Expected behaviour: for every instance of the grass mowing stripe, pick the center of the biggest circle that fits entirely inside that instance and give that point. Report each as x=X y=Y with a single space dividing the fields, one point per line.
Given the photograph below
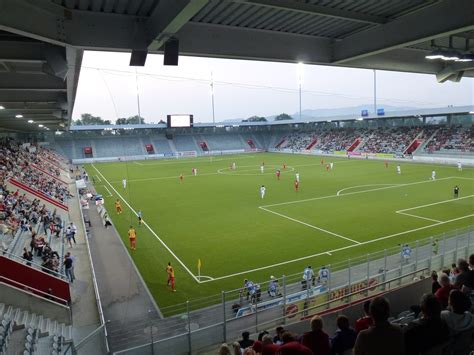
x=146 y=225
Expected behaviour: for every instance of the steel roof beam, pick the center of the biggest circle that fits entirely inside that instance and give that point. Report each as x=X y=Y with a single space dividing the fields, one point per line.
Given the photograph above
x=442 y=19
x=314 y=9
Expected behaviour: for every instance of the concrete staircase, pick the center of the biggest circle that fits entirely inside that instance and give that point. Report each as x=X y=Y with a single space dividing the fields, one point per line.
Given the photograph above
x=31 y=333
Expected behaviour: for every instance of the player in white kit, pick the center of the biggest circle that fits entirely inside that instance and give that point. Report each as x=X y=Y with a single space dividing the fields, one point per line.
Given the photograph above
x=332 y=165
x=233 y=166
x=459 y=166
x=433 y=175
x=399 y=169
x=262 y=191
x=262 y=168
x=124 y=183
x=297 y=177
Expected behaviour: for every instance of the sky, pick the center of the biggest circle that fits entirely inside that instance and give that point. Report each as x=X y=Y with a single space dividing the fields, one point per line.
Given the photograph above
x=108 y=88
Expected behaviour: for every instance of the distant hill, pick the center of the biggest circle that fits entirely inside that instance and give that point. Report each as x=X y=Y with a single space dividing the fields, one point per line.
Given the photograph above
x=328 y=112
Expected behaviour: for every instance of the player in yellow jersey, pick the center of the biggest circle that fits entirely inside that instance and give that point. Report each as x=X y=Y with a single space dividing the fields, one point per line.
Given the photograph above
x=132 y=236
x=118 y=206
x=170 y=272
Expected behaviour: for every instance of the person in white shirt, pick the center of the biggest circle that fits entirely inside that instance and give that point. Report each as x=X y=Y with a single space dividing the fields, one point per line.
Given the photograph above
x=262 y=191
x=124 y=183
x=332 y=165
x=297 y=177
x=262 y=168
x=459 y=166
x=433 y=175
x=399 y=169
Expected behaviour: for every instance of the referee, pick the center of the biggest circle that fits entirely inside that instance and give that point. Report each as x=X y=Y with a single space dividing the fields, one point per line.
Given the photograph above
x=456 y=191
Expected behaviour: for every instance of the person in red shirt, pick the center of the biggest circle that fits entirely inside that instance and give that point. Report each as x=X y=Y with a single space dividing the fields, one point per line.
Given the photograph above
x=292 y=347
x=316 y=340
x=442 y=294
x=364 y=322
x=278 y=174
x=268 y=346
x=297 y=185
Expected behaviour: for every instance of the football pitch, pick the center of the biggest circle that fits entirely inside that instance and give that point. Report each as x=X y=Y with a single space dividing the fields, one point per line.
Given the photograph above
x=219 y=217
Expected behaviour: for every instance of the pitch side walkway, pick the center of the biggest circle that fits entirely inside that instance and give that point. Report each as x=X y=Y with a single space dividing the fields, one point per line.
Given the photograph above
x=125 y=299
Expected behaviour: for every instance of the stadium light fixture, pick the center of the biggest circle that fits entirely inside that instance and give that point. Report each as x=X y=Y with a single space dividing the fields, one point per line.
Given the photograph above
x=451 y=55
x=436 y=54
x=471 y=112
x=466 y=58
x=2 y=107
x=31 y=121
x=360 y=119
x=19 y=116
x=40 y=125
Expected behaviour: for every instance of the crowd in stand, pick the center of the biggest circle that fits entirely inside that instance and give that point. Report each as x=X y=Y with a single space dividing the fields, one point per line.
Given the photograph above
x=443 y=320
x=452 y=139
x=337 y=140
x=390 y=141
x=16 y=161
x=299 y=141
x=20 y=215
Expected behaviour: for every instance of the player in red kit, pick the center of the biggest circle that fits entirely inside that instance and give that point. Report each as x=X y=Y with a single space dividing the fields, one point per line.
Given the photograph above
x=297 y=185
x=278 y=172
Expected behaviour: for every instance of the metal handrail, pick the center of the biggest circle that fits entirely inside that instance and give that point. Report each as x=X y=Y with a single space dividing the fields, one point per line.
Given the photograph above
x=37 y=267
x=94 y=278
x=42 y=294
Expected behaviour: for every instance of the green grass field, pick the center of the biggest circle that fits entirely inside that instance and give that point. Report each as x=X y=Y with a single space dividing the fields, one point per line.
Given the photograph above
x=218 y=216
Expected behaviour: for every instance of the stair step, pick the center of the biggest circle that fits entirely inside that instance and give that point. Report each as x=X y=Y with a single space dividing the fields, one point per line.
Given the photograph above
x=66 y=332
x=33 y=320
x=54 y=328
x=16 y=319
x=45 y=327
x=2 y=309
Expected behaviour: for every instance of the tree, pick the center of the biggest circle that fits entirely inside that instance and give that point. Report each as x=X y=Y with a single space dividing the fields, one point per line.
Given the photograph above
x=88 y=119
x=255 y=119
x=283 y=116
x=131 y=120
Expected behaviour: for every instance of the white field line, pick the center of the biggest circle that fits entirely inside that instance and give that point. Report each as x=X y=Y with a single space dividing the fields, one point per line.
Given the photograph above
x=310 y=225
x=206 y=277
x=165 y=177
x=435 y=203
x=98 y=177
x=110 y=194
x=420 y=217
x=336 y=250
x=355 y=187
x=201 y=159
x=358 y=192
x=146 y=225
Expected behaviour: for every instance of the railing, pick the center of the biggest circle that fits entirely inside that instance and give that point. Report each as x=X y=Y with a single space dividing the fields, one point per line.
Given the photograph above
x=194 y=328
x=33 y=265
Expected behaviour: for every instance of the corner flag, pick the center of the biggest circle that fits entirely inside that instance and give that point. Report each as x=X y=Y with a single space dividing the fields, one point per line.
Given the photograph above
x=199 y=269
x=199 y=263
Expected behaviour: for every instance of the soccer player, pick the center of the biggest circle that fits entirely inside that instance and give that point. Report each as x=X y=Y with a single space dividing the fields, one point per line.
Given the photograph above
x=132 y=236
x=140 y=219
x=456 y=191
x=435 y=247
x=118 y=206
x=170 y=272
x=233 y=166
x=322 y=161
x=328 y=167
x=194 y=171
x=308 y=277
x=433 y=175
x=278 y=172
x=459 y=166
x=284 y=166
x=332 y=165
x=181 y=178
x=386 y=164
x=406 y=253
x=262 y=168
x=124 y=183
x=323 y=275
x=297 y=185
x=262 y=191
x=399 y=169
x=297 y=176
x=273 y=287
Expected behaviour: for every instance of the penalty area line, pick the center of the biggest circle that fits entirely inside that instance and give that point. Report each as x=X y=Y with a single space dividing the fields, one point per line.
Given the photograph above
x=336 y=250
x=110 y=193
x=151 y=230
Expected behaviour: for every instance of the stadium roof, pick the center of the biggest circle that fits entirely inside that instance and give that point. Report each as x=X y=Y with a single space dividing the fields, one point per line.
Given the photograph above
x=432 y=112
x=42 y=41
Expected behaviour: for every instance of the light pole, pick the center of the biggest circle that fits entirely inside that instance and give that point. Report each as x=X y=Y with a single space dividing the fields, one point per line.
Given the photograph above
x=138 y=96
x=212 y=99
x=300 y=81
x=375 y=92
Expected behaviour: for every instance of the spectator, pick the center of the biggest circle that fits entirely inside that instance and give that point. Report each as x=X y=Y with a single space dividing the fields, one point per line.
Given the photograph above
x=27 y=256
x=382 y=337
x=246 y=341
x=224 y=350
x=454 y=272
x=364 y=322
x=345 y=337
x=262 y=334
x=68 y=267
x=249 y=351
x=268 y=347
x=443 y=293
x=435 y=286
x=458 y=317
x=292 y=347
x=465 y=279
x=257 y=346
x=278 y=337
x=428 y=331
x=317 y=340
x=236 y=348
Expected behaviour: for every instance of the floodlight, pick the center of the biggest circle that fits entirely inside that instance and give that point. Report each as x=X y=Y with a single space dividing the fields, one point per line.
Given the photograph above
x=30 y=121
x=40 y=125
x=19 y=116
x=2 y=107
x=436 y=54
x=466 y=58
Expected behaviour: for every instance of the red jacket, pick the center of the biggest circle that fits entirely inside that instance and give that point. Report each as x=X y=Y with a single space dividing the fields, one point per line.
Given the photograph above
x=317 y=341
